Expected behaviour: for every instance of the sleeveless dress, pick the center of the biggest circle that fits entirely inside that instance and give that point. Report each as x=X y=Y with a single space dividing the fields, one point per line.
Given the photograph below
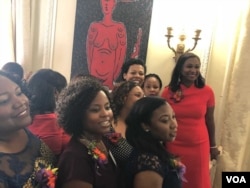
x=192 y=140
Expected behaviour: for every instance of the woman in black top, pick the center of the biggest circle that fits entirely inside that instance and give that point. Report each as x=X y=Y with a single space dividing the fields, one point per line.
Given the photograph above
x=150 y=123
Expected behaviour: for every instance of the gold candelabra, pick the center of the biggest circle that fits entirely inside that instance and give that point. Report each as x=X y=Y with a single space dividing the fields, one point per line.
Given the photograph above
x=180 y=49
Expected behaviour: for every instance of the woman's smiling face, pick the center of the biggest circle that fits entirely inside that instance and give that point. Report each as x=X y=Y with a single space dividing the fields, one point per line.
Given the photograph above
x=136 y=73
x=14 y=107
x=99 y=116
x=190 y=70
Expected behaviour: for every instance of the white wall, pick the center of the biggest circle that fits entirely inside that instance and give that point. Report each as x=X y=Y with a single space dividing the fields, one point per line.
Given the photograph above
x=63 y=45
x=184 y=17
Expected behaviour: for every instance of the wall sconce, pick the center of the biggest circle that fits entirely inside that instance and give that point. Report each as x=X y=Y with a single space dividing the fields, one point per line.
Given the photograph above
x=181 y=46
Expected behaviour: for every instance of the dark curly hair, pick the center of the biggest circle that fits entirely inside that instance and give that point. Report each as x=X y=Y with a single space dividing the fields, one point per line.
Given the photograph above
x=136 y=136
x=119 y=94
x=43 y=86
x=73 y=102
x=174 y=83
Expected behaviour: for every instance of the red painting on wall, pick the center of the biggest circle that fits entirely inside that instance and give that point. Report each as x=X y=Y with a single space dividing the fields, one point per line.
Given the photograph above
x=107 y=33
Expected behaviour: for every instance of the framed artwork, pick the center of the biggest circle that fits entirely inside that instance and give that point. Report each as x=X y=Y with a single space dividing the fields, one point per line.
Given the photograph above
x=108 y=33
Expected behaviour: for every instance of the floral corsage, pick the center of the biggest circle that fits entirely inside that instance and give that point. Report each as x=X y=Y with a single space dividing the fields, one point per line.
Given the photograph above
x=114 y=137
x=46 y=177
x=177 y=96
x=96 y=153
x=93 y=150
x=180 y=169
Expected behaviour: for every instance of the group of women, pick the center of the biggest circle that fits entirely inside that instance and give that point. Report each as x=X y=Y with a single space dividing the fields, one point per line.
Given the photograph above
x=132 y=136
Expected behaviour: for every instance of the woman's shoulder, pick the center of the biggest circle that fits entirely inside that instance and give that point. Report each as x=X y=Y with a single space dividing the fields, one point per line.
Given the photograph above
x=43 y=160
x=141 y=161
x=208 y=87
x=75 y=148
x=143 y=155
x=207 y=90
x=43 y=155
x=118 y=146
x=165 y=92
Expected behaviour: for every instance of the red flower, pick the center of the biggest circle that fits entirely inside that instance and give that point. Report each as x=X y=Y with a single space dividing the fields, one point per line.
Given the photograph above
x=177 y=96
x=114 y=137
x=46 y=177
x=101 y=157
x=97 y=154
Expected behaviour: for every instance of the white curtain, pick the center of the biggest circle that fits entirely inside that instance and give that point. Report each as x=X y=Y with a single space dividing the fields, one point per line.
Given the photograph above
x=27 y=31
x=23 y=32
x=235 y=131
x=15 y=31
x=7 y=32
x=43 y=26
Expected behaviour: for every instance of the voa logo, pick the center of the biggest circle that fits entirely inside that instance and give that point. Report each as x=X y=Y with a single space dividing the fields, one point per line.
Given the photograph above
x=236 y=179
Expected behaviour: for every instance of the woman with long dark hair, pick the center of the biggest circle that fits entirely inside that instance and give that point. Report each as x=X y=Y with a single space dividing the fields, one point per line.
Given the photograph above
x=193 y=102
x=151 y=123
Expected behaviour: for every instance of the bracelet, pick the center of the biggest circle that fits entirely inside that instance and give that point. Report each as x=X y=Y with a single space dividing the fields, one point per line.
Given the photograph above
x=213 y=147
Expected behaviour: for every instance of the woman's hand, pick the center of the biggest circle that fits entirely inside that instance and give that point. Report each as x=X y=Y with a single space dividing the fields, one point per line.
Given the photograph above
x=214 y=152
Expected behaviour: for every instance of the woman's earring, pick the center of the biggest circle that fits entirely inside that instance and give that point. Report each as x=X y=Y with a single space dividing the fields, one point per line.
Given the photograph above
x=179 y=80
x=147 y=130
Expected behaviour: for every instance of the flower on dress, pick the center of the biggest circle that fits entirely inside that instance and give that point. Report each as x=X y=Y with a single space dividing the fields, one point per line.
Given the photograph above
x=177 y=96
x=114 y=137
x=46 y=177
x=180 y=169
x=96 y=153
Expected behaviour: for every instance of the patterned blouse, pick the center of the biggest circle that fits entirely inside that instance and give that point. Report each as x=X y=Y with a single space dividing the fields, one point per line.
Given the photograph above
x=18 y=170
x=139 y=162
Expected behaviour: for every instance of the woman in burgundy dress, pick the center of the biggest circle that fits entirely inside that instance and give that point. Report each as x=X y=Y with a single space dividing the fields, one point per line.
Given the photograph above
x=84 y=111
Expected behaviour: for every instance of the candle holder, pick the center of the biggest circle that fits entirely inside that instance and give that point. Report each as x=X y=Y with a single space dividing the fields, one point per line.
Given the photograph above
x=180 y=49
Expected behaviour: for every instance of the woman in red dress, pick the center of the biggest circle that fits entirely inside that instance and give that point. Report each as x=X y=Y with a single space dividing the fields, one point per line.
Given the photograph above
x=193 y=102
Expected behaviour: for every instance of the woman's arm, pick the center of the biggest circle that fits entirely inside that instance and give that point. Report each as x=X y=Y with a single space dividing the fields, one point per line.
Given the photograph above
x=211 y=132
x=78 y=184
x=210 y=125
x=148 y=179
